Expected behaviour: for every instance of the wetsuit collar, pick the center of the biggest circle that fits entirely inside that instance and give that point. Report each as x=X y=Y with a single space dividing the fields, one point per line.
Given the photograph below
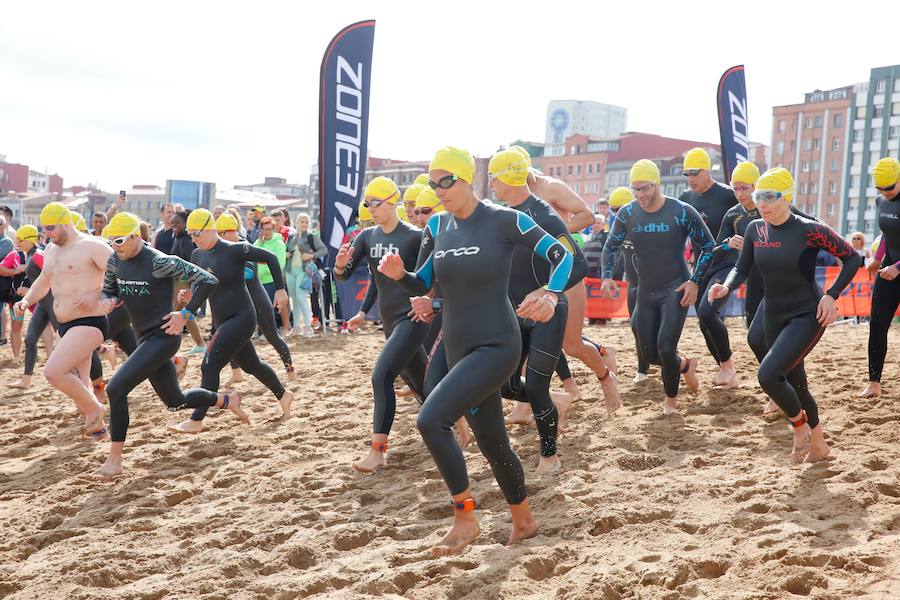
x=479 y=207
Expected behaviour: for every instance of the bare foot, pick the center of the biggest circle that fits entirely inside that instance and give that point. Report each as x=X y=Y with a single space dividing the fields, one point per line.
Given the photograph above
x=189 y=426
x=464 y=435
x=404 y=391
x=726 y=379
x=771 y=409
x=548 y=464
x=462 y=533
x=234 y=405
x=610 y=388
x=95 y=428
x=236 y=377
x=100 y=395
x=107 y=472
x=609 y=358
x=24 y=384
x=670 y=406
x=181 y=363
x=801 y=443
x=292 y=374
x=872 y=390
x=571 y=387
x=524 y=531
x=818 y=448
x=563 y=402
x=285 y=402
x=639 y=377
x=109 y=353
x=690 y=376
x=373 y=461
x=520 y=415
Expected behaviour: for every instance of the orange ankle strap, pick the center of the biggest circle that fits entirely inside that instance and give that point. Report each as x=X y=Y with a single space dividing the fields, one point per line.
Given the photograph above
x=380 y=447
x=801 y=422
x=100 y=386
x=466 y=505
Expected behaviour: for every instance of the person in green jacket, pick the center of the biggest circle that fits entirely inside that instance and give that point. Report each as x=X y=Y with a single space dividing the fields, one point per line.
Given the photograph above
x=274 y=244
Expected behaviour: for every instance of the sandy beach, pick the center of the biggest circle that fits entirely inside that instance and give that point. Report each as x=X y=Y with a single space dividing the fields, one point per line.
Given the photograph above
x=702 y=504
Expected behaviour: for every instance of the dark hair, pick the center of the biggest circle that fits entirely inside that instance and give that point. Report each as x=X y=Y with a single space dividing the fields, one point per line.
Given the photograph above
x=267 y=221
x=183 y=215
x=163 y=206
x=98 y=214
x=7 y=210
x=602 y=202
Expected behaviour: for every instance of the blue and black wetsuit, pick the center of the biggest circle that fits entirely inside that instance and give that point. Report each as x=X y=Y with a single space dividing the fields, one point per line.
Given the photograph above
x=885 y=294
x=403 y=351
x=234 y=315
x=541 y=342
x=119 y=331
x=472 y=258
x=712 y=205
x=785 y=256
x=144 y=285
x=658 y=240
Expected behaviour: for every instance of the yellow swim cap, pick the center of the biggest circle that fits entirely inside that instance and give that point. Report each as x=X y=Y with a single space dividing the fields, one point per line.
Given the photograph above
x=27 y=232
x=104 y=233
x=886 y=172
x=428 y=199
x=382 y=188
x=777 y=179
x=745 y=172
x=413 y=191
x=200 y=219
x=456 y=161
x=421 y=179
x=78 y=221
x=401 y=212
x=697 y=158
x=524 y=153
x=55 y=213
x=645 y=170
x=510 y=167
x=226 y=222
x=363 y=212
x=620 y=197
x=123 y=223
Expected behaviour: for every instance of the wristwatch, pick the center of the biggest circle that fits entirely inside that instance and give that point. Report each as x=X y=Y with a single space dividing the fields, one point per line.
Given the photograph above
x=437 y=305
x=185 y=313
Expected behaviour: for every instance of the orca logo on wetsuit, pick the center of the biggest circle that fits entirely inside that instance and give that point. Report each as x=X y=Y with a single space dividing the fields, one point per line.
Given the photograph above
x=762 y=232
x=651 y=228
x=469 y=251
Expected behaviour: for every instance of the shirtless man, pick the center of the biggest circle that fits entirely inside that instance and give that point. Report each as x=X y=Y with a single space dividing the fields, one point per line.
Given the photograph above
x=74 y=267
x=575 y=213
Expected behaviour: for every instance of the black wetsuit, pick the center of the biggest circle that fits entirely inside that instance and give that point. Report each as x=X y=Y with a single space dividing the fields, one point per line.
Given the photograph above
x=403 y=351
x=734 y=223
x=144 y=285
x=472 y=259
x=712 y=206
x=785 y=256
x=120 y=331
x=233 y=315
x=42 y=315
x=658 y=239
x=265 y=316
x=541 y=342
x=885 y=294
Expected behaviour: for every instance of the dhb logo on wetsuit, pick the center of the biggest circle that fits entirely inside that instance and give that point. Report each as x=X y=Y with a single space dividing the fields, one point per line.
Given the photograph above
x=651 y=228
x=379 y=250
x=467 y=251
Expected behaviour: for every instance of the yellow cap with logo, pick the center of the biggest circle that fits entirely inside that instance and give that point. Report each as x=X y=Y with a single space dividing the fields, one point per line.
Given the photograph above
x=455 y=161
x=382 y=188
x=200 y=219
x=428 y=199
x=777 y=179
x=886 y=172
x=697 y=158
x=510 y=167
x=123 y=223
x=620 y=197
x=226 y=222
x=745 y=172
x=27 y=232
x=56 y=213
x=644 y=170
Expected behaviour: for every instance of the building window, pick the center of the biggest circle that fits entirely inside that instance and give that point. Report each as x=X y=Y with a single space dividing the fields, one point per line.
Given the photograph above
x=819 y=121
x=781 y=124
x=807 y=144
x=590 y=168
x=857 y=135
x=835 y=143
x=832 y=187
x=578 y=169
x=779 y=148
x=897 y=85
x=861 y=112
x=895 y=109
x=813 y=188
x=830 y=210
x=877 y=112
x=576 y=188
x=817 y=144
x=854 y=181
x=809 y=122
x=804 y=166
x=876 y=134
x=873 y=158
x=569 y=170
x=793 y=145
x=803 y=188
x=837 y=119
x=880 y=86
x=894 y=132
x=597 y=168
x=815 y=165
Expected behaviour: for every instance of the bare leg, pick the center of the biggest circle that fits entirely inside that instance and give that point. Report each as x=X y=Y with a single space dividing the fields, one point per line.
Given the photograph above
x=74 y=351
x=15 y=337
x=463 y=434
x=463 y=532
x=524 y=524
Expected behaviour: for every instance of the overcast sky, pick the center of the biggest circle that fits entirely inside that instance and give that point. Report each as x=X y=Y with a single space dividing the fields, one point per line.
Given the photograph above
x=123 y=93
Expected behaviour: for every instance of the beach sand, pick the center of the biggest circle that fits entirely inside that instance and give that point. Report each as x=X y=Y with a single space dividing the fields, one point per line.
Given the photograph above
x=702 y=504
